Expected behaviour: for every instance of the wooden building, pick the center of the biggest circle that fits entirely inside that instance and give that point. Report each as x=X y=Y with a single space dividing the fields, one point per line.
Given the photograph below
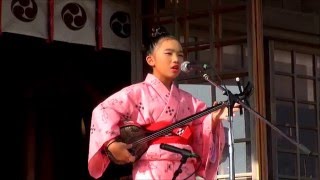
x=274 y=44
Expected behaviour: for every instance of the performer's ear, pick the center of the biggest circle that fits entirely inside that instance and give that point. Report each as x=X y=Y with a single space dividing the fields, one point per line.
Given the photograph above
x=150 y=60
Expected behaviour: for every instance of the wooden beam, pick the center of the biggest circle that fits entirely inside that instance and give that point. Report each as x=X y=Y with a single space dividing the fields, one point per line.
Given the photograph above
x=257 y=74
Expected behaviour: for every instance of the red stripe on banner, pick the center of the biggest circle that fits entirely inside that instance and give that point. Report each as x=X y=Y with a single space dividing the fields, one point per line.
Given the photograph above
x=50 y=20
x=0 y=17
x=99 y=24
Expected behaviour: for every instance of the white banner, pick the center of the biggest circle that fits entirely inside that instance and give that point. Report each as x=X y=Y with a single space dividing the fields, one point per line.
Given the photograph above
x=74 y=21
x=28 y=17
x=116 y=24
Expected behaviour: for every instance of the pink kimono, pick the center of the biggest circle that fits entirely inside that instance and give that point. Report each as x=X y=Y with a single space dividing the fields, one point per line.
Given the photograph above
x=146 y=103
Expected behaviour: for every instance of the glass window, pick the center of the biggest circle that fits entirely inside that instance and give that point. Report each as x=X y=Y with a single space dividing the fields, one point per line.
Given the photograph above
x=199 y=28
x=295 y=95
x=305 y=89
x=283 y=86
x=309 y=138
x=285 y=113
x=309 y=167
x=242 y=158
x=307 y=115
x=283 y=143
x=304 y=64
x=282 y=61
x=232 y=59
x=169 y=26
x=287 y=164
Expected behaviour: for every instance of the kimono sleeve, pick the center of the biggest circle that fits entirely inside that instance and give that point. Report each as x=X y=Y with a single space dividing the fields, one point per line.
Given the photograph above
x=104 y=127
x=208 y=143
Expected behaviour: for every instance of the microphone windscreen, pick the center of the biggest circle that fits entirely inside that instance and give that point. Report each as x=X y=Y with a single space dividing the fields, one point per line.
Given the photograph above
x=184 y=66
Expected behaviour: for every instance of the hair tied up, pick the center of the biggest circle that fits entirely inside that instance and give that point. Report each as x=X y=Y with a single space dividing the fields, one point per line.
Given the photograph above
x=158 y=31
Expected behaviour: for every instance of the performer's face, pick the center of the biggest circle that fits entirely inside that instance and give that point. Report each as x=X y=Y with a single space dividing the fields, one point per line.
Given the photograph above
x=166 y=59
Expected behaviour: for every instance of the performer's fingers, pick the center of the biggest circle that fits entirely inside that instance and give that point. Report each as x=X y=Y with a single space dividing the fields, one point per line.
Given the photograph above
x=132 y=159
x=129 y=146
x=127 y=160
x=237 y=105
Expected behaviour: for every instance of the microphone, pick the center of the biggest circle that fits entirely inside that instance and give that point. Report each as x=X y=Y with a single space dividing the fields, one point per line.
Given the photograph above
x=183 y=152
x=187 y=66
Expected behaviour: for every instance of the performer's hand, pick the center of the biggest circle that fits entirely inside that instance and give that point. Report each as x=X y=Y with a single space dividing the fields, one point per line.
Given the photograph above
x=119 y=151
x=222 y=114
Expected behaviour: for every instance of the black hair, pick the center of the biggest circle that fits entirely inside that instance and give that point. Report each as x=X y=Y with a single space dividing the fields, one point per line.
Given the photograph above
x=157 y=33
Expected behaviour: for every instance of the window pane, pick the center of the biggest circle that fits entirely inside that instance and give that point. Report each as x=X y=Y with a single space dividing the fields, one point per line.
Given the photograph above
x=309 y=167
x=282 y=61
x=304 y=64
x=307 y=115
x=232 y=58
x=198 y=55
x=199 y=28
x=169 y=26
x=203 y=56
x=305 y=89
x=287 y=164
x=239 y=124
x=309 y=138
x=285 y=113
x=242 y=158
x=283 y=86
x=283 y=143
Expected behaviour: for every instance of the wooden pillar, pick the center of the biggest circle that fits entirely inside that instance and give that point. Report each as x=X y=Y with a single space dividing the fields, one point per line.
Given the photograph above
x=217 y=35
x=136 y=41
x=257 y=75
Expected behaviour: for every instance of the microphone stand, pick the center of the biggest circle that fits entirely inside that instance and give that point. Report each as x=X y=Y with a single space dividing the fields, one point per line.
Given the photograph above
x=183 y=152
x=183 y=160
x=232 y=99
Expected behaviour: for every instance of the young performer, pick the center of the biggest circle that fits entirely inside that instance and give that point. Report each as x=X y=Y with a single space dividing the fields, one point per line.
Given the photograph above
x=153 y=104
